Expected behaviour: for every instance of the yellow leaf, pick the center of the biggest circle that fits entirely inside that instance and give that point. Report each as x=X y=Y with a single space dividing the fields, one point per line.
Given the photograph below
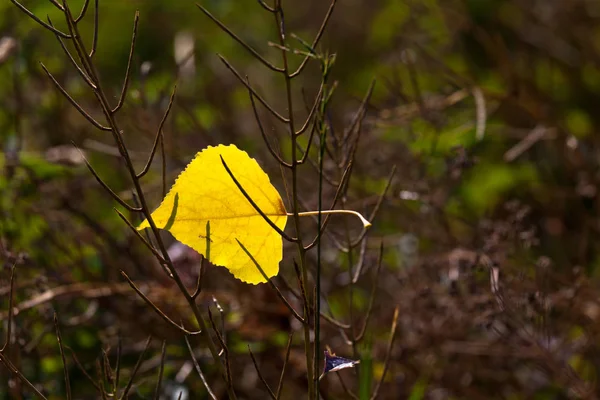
x=205 y=192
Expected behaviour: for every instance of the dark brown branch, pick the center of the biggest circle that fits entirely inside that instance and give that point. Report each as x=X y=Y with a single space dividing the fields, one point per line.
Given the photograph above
x=312 y=111
x=239 y=40
x=266 y=6
x=10 y=366
x=285 y=362
x=317 y=39
x=83 y=11
x=155 y=308
x=260 y=376
x=135 y=370
x=62 y=356
x=272 y=284
x=388 y=353
x=161 y=369
x=262 y=101
x=229 y=377
x=262 y=131
x=158 y=256
x=73 y=102
x=39 y=21
x=128 y=69
x=159 y=134
x=106 y=187
x=361 y=334
x=198 y=370
x=11 y=299
x=256 y=207
x=82 y=73
x=96 y=24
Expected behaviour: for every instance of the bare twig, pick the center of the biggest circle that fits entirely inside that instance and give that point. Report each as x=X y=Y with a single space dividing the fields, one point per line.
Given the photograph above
x=135 y=370
x=388 y=353
x=62 y=356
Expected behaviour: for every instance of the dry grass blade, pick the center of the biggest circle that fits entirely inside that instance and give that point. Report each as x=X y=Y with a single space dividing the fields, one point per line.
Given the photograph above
x=135 y=370
x=62 y=356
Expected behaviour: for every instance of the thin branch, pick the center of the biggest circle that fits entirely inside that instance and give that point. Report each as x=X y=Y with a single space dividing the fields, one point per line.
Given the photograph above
x=74 y=103
x=10 y=366
x=317 y=39
x=197 y=366
x=57 y=5
x=256 y=207
x=82 y=73
x=388 y=353
x=128 y=69
x=156 y=309
x=96 y=24
x=159 y=134
x=260 y=99
x=262 y=131
x=39 y=21
x=221 y=340
x=266 y=6
x=82 y=369
x=338 y=193
x=285 y=361
x=161 y=369
x=272 y=284
x=62 y=356
x=312 y=111
x=106 y=187
x=158 y=256
x=260 y=376
x=84 y=9
x=374 y=287
x=377 y=205
x=135 y=370
x=11 y=299
x=326 y=317
x=117 y=365
x=239 y=40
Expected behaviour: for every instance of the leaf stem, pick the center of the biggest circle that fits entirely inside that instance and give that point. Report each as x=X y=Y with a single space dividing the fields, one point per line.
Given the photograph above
x=365 y=222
